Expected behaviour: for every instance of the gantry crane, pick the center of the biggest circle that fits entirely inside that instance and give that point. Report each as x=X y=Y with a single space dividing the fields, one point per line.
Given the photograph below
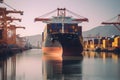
x=4 y=11
x=116 y=23
x=11 y=32
x=8 y=18
x=4 y=21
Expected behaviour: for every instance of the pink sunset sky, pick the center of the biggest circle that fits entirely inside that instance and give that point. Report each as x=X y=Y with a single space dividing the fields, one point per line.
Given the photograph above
x=96 y=11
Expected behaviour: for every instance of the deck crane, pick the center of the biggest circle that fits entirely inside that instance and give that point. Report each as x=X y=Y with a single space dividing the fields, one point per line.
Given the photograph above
x=116 y=23
x=60 y=12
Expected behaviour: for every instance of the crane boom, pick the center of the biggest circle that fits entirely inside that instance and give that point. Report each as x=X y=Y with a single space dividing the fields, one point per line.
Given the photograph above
x=84 y=19
x=61 y=18
x=10 y=11
x=4 y=11
x=42 y=19
x=14 y=27
x=116 y=23
x=10 y=19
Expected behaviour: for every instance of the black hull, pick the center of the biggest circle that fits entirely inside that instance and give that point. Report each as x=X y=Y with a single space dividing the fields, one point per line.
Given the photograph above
x=70 y=43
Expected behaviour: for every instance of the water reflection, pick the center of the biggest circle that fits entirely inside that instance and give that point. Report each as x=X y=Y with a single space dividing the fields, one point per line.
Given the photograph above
x=33 y=65
x=104 y=55
x=13 y=68
x=72 y=69
x=23 y=66
x=59 y=68
x=101 y=66
x=94 y=66
x=52 y=68
x=8 y=69
x=3 y=70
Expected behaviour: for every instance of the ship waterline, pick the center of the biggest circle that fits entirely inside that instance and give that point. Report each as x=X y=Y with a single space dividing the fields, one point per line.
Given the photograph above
x=52 y=50
x=67 y=43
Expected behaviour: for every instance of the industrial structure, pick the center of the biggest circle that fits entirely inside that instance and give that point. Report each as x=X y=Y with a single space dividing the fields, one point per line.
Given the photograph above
x=105 y=43
x=62 y=31
x=8 y=31
x=10 y=42
x=115 y=23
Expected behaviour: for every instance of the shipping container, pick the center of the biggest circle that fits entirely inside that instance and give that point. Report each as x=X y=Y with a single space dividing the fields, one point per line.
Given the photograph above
x=92 y=46
x=117 y=39
x=42 y=36
x=53 y=28
x=89 y=41
x=96 y=41
x=111 y=40
x=116 y=42
x=105 y=43
x=68 y=28
x=79 y=30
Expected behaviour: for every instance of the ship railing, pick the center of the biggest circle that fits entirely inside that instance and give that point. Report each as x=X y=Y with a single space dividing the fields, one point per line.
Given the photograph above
x=64 y=32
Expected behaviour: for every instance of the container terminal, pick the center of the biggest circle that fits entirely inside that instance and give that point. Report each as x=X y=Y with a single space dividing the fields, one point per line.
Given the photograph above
x=10 y=42
x=106 y=44
x=60 y=31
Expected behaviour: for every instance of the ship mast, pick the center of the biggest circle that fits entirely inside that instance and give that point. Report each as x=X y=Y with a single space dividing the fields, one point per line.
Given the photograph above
x=62 y=13
x=63 y=24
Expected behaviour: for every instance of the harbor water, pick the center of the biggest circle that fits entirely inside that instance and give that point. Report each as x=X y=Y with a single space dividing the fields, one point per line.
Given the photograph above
x=34 y=65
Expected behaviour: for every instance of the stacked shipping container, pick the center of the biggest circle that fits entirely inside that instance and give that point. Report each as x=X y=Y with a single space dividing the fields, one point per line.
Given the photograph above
x=116 y=42
x=68 y=28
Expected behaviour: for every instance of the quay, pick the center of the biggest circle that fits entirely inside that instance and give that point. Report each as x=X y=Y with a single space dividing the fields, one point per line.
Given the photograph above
x=10 y=42
x=9 y=50
x=103 y=44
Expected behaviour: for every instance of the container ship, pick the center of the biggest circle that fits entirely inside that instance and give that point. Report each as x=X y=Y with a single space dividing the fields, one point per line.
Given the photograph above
x=62 y=33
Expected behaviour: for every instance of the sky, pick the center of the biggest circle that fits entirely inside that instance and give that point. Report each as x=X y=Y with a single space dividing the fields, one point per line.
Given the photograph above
x=96 y=11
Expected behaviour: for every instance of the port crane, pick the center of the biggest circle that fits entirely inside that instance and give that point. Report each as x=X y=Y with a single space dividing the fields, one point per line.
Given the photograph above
x=4 y=11
x=8 y=18
x=11 y=32
x=5 y=26
x=116 y=23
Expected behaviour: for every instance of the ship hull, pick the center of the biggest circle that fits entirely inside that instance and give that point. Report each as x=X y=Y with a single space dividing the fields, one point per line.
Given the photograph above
x=65 y=43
